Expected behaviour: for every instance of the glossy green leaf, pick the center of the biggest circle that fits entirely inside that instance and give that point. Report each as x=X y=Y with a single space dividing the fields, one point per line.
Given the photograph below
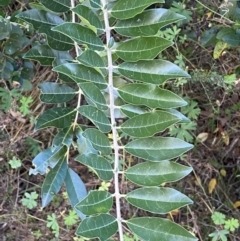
x=156 y=173
x=148 y=124
x=158 y=148
x=80 y=34
x=159 y=200
x=47 y=158
x=54 y=93
x=43 y=22
x=125 y=9
x=150 y=95
x=102 y=226
x=13 y=44
x=83 y=145
x=53 y=182
x=142 y=48
x=95 y=202
x=89 y=18
x=63 y=137
x=156 y=229
x=75 y=189
x=132 y=111
x=96 y=116
x=96 y=4
x=58 y=6
x=99 y=141
x=92 y=92
x=92 y=59
x=99 y=164
x=46 y=55
x=59 y=117
x=147 y=23
x=81 y=73
x=181 y=117
x=152 y=71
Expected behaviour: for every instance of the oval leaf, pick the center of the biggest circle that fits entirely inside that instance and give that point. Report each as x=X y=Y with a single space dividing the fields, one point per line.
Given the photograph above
x=93 y=93
x=150 y=96
x=99 y=164
x=102 y=226
x=153 y=71
x=75 y=189
x=58 y=117
x=147 y=23
x=132 y=111
x=125 y=9
x=56 y=5
x=95 y=202
x=156 y=173
x=159 y=200
x=53 y=93
x=142 y=48
x=156 y=229
x=81 y=73
x=80 y=35
x=96 y=116
x=53 y=182
x=148 y=124
x=158 y=148
x=99 y=141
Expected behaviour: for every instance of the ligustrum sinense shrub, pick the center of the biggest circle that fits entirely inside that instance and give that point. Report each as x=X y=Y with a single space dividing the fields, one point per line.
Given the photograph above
x=117 y=71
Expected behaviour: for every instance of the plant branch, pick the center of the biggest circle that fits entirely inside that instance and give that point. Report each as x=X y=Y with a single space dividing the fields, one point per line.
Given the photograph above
x=76 y=50
x=113 y=121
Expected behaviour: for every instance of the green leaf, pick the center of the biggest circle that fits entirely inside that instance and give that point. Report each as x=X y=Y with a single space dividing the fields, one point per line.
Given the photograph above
x=125 y=9
x=47 y=158
x=99 y=164
x=92 y=93
x=147 y=23
x=30 y=200
x=132 y=111
x=99 y=141
x=152 y=71
x=63 y=137
x=81 y=35
x=148 y=124
x=159 y=200
x=96 y=4
x=156 y=173
x=75 y=189
x=4 y=2
x=231 y=224
x=96 y=116
x=46 y=55
x=43 y=22
x=158 y=148
x=59 y=117
x=181 y=117
x=58 y=6
x=13 y=43
x=102 y=226
x=53 y=93
x=81 y=73
x=89 y=18
x=156 y=229
x=96 y=202
x=218 y=218
x=15 y=163
x=83 y=145
x=71 y=219
x=92 y=59
x=142 y=48
x=53 y=182
x=150 y=96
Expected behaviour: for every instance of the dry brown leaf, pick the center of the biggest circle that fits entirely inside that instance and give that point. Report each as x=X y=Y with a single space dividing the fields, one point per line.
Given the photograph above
x=211 y=185
x=202 y=136
x=236 y=204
